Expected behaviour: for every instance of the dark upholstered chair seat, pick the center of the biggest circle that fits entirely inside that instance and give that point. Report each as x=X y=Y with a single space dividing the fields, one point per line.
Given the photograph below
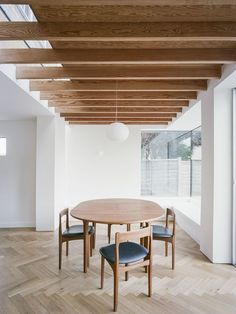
x=76 y=230
x=129 y=252
x=161 y=231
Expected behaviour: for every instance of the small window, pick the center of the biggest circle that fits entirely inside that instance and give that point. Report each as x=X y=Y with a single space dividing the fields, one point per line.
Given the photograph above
x=3 y=146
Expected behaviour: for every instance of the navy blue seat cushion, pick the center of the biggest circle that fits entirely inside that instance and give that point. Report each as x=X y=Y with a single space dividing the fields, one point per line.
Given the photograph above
x=76 y=230
x=129 y=252
x=161 y=231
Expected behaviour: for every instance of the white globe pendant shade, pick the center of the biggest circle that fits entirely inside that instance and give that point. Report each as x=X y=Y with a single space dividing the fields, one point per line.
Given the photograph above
x=117 y=132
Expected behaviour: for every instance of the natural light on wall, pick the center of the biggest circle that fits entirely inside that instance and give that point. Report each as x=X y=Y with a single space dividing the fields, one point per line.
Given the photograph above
x=3 y=146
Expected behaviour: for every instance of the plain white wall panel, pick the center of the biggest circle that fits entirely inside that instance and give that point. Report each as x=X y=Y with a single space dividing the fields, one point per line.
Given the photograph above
x=17 y=174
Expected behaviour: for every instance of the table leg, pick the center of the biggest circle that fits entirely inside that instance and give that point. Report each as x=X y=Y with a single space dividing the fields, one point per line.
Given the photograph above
x=147 y=224
x=85 y=246
x=141 y=240
x=146 y=244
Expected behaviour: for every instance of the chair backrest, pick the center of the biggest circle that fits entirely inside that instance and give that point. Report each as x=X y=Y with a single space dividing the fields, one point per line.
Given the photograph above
x=170 y=212
x=133 y=235
x=64 y=212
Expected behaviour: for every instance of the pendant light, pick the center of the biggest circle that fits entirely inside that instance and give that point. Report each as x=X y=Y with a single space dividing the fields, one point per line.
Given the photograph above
x=117 y=131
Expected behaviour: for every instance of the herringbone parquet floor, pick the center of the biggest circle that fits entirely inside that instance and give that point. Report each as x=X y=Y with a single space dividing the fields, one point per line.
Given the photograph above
x=30 y=281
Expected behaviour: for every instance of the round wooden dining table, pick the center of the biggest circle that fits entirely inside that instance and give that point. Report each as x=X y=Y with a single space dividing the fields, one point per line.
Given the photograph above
x=114 y=211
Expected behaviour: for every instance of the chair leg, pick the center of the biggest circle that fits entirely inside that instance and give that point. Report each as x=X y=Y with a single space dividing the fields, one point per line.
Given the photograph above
x=67 y=248
x=166 y=248
x=109 y=233
x=102 y=271
x=173 y=255
x=128 y=227
x=126 y=276
x=60 y=254
x=88 y=251
x=94 y=235
x=116 y=283
x=91 y=245
x=150 y=279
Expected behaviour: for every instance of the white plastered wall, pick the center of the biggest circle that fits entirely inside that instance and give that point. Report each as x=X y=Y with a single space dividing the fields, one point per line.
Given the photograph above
x=51 y=172
x=17 y=174
x=100 y=168
x=217 y=171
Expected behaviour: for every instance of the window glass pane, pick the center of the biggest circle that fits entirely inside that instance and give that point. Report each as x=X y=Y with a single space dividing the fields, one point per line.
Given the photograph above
x=3 y=146
x=196 y=162
x=171 y=163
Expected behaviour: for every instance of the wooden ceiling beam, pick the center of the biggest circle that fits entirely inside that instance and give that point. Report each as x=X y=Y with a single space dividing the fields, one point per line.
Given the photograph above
x=127 y=85
x=110 y=120
x=120 y=103
x=121 y=116
x=119 y=109
x=118 y=56
x=123 y=72
x=136 y=44
x=141 y=122
x=131 y=11
x=112 y=31
x=123 y=95
x=124 y=3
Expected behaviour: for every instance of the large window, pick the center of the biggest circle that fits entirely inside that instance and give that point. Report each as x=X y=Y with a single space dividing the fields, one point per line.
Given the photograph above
x=171 y=163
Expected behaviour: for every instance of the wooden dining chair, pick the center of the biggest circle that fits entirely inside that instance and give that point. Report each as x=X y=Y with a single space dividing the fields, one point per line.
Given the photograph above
x=163 y=233
x=125 y=255
x=74 y=232
x=109 y=231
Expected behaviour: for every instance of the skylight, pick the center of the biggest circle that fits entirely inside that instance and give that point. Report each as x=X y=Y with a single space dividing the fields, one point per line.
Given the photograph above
x=20 y=13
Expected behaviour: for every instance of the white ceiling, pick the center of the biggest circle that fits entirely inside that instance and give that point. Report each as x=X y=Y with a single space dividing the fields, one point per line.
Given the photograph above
x=17 y=104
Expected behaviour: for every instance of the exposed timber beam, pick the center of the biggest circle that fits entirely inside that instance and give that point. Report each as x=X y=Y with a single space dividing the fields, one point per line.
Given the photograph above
x=131 y=11
x=124 y=3
x=118 y=119
x=130 y=44
x=141 y=122
x=127 y=85
x=118 y=56
x=120 y=103
x=123 y=95
x=124 y=72
x=120 y=110
x=117 y=31
x=122 y=115
x=111 y=119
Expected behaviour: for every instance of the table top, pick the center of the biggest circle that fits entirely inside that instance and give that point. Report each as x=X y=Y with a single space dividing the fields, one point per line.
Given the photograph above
x=117 y=211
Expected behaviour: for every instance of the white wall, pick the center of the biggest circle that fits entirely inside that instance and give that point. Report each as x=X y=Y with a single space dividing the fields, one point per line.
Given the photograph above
x=190 y=119
x=217 y=168
x=207 y=181
x=17 y=102
x=223 y=174
x=98 y=167
x=216 y=231
x=17 y=174
x=45 y=173
x=60 y=180
x=51 y=172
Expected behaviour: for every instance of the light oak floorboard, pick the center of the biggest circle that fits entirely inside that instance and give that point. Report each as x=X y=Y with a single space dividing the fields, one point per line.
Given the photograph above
x=31 y=282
